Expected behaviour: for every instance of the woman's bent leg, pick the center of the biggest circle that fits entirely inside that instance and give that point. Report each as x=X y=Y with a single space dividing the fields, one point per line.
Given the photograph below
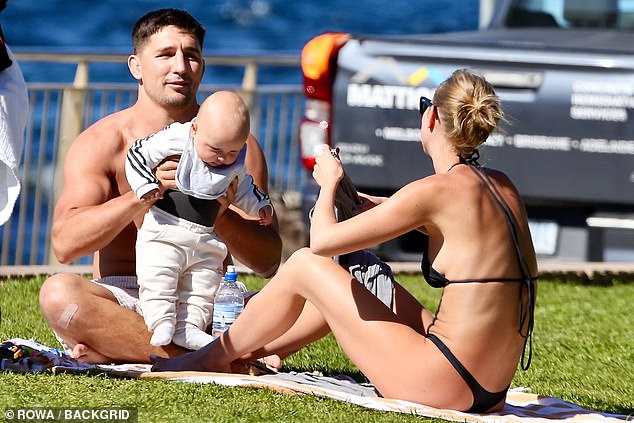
x=397 y=359
x=312 y=326
x=309 y=327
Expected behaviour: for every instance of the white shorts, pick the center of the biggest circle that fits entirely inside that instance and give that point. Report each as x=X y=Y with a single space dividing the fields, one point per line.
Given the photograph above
x=125 y=289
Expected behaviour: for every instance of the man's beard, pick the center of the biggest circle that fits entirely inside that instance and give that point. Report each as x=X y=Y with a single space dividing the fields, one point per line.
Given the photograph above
x=176 y=100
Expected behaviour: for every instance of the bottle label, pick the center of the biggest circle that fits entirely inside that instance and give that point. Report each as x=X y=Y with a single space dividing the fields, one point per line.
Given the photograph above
x=226 y=314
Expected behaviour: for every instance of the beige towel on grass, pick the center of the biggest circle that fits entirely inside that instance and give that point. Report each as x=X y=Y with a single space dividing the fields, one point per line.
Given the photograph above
x=28 y=356
x=521 y=405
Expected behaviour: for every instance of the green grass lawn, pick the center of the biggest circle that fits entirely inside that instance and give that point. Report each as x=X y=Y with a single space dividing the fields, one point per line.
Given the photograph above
x=583 y=353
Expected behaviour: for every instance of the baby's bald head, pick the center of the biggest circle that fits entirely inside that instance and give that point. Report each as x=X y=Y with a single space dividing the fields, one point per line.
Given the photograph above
x=221 y=128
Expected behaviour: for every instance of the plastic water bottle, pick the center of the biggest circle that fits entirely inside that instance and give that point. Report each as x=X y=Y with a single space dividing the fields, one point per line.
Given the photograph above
x=229 y=303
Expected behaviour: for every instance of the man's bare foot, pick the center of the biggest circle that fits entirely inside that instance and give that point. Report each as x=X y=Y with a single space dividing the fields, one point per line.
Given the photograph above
x=86 y=354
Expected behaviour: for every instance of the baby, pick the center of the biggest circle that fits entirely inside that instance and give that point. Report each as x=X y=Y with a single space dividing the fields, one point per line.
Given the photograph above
x=179 y=259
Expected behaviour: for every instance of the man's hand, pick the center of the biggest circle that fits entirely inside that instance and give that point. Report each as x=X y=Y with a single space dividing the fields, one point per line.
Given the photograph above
x=266 y=215
x=151 y=197
x=166 y=173
x=229 y=197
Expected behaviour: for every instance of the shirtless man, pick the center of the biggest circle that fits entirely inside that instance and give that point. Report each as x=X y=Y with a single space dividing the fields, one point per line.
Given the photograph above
x=97 y=212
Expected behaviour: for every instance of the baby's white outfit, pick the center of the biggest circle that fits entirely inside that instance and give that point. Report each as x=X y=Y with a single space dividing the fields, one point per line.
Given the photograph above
x=178 y=255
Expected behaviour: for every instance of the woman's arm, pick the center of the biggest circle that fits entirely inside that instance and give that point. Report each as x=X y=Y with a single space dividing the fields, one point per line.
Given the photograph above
x=327 y=173
x=404 y=211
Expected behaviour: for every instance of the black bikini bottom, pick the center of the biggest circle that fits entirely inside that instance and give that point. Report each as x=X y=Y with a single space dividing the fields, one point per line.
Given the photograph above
x=482 y=399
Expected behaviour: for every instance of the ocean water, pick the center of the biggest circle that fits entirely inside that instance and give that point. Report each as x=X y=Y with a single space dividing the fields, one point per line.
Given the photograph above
x=233 y=26
x=242 y=27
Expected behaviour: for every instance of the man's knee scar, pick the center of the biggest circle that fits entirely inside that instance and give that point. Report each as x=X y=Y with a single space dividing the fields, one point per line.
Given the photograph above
x=67 y=315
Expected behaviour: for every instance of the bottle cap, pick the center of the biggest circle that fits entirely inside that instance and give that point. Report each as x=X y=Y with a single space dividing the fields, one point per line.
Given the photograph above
x=231 y=274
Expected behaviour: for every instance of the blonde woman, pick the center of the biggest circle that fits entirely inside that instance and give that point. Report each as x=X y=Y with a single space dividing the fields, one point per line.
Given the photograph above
x=478 y=250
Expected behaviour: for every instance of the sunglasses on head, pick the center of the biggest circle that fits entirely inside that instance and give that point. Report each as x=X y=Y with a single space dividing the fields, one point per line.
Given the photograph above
x=424 y=104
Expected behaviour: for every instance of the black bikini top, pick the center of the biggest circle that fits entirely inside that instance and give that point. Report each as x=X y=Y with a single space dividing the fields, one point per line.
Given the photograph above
x=438 y=280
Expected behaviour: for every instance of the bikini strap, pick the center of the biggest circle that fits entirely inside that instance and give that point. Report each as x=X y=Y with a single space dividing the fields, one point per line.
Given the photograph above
x=528 y=313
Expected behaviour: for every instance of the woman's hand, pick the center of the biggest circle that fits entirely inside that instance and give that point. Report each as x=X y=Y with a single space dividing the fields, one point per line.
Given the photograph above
x=328 y=170
x=367 y=202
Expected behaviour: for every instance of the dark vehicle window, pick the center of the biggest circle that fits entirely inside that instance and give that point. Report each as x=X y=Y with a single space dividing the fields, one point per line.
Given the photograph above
x=601 y=14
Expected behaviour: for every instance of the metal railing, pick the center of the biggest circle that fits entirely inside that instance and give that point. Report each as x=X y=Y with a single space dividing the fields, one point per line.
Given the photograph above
x=60 y=111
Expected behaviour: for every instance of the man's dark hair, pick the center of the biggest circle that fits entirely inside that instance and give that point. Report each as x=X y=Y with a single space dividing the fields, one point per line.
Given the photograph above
x=3 y=4
x=154 y=21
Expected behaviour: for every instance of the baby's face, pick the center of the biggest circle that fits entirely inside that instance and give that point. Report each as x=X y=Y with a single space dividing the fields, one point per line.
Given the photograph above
x=216 y=152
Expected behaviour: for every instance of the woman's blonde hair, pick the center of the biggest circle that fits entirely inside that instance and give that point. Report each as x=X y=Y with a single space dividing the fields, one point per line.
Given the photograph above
x=468 y=109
